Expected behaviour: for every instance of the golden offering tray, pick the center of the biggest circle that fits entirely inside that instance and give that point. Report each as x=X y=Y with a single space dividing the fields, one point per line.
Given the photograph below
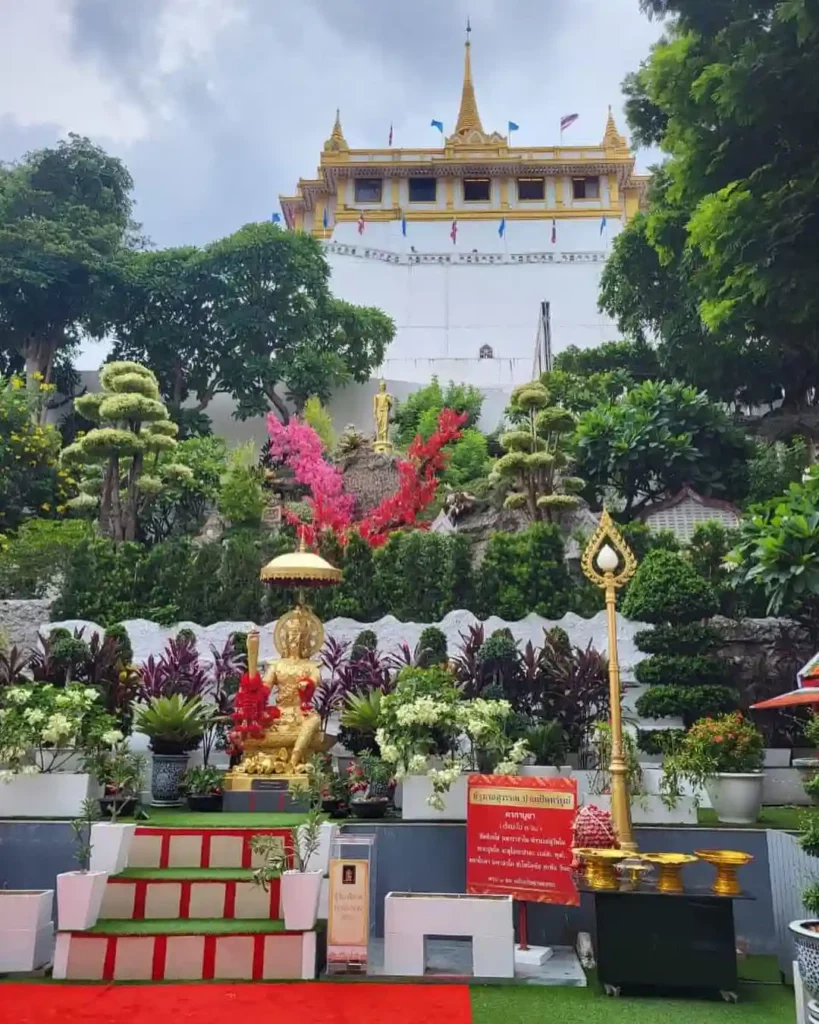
x=600 y=865
x=632 y=873
x=726 y=862
x=670 y=867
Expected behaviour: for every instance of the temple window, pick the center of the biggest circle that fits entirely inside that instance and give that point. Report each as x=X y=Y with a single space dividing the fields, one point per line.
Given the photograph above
x=368 y=190
x=476 y=190
x=486 y=352
x=423 y=190
x=586 y=188
x=531 y=188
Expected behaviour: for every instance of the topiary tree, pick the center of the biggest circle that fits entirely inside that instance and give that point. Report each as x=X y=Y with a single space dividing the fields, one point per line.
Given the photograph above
x=533 y=472
x=366 y=641
x=432 y=648
x=133 y=427
x=684 y=677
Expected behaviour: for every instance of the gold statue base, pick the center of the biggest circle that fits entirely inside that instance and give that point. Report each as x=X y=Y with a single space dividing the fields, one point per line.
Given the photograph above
x=726 y=862
x=242 y=782
x=383 y=447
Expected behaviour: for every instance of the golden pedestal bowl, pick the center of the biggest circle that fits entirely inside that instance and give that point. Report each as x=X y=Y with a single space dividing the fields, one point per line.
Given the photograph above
x=670 y=867
x=600 y=866
x=632 y=873
x=726 y=862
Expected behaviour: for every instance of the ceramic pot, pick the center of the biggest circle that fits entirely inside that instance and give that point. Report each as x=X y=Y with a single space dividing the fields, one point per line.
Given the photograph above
x=110 y=846
x=300 y=899
x=166 y=775
x=806 y=940
x=79 y=899
x=736 y=798
x=205 y=801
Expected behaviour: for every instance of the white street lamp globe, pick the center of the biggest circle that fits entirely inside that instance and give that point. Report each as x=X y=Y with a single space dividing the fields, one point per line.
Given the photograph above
x=607 y=559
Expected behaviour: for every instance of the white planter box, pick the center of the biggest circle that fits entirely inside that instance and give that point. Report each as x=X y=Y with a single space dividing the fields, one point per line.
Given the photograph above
x=25 y=909
x=649 y=809
x=50 y=795
x=300 y=899
x=22 y=951
x=416 y=791
x=110 y=846
x=320 y=861
x=79 y=899
x=546 y=771
x=487 y=920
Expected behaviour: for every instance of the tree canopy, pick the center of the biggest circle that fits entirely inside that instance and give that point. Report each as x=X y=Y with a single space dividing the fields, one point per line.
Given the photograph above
x=722 y=267
x=64 y=215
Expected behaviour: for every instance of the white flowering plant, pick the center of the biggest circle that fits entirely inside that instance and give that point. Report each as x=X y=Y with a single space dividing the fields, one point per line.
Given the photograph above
x=43 y=726
x=427 y=717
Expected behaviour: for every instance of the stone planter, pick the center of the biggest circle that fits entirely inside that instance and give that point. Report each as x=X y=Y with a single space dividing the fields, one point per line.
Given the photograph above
x=26 y=929
x=48 y=795
x=736 y=798
x=300 y=899
x=79 y=899
x=806 y=942
x=166 y=776
x=416 y=791
x=806 y=766
x=110 y=846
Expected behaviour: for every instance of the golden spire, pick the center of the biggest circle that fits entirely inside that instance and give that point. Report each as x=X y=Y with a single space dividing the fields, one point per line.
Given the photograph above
x=612 y=139
x=336 y=140
x=469 y=119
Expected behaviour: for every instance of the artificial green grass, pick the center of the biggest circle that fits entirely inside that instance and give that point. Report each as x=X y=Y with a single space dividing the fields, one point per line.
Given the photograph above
x=190 y=874
x=170 y=817
x=787 y=819
x=759 y=1004
x=194 y=926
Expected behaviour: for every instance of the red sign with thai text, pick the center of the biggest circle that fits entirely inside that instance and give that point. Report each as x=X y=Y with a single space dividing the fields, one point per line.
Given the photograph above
x=519 y=838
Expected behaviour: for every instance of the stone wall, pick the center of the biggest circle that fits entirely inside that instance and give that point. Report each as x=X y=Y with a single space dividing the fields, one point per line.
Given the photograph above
x=20 y=620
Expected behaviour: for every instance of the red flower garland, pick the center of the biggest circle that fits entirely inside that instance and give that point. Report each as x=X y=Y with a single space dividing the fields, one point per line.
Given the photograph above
x=251 y=716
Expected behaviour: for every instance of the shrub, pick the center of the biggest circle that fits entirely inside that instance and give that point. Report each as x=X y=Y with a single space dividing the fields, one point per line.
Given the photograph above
x=365 y=641
x=658 y=741
x=119 y=634
x=524 y=572
x=682 y=670
x=686 y=702
x=421 y=576
x=729 y=744
x=432 y=648
x=689 y=638
x=667 y=589
x=468 y=459
x=241 y=497
x=38 y=554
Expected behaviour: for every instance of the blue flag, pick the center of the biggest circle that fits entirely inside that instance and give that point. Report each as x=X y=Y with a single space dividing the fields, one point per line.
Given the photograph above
x=513 y=127
x=437 y=124
x=404 y=226
x=603 y=225
x=276 y=218
x=502 y=227
x=326 y=219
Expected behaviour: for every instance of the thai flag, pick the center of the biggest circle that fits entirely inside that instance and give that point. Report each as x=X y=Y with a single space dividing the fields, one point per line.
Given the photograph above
x=453 y=234
x=554 y=231
x=567 y=120
x=361 y=223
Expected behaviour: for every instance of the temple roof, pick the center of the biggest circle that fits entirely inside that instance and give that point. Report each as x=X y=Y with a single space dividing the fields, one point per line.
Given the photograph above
x=468 y=117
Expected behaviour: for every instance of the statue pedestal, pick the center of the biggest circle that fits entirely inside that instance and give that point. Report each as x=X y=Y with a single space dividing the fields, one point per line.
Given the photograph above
x=383 y=447
x=266 y=794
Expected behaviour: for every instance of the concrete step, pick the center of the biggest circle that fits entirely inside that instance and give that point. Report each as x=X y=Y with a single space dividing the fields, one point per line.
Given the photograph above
x=189 y=894
x=158 y=847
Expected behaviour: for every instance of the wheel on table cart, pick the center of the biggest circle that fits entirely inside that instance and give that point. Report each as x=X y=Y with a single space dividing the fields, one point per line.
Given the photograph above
x=729 y=997
x=612 y=990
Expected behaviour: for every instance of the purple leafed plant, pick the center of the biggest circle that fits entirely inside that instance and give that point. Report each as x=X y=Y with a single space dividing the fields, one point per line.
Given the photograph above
x=177 y=670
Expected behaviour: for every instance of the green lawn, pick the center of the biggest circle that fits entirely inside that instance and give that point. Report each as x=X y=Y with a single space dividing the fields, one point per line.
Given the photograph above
x=190 y=874
x=785 y=818
x=171 y=817
x=198 y=926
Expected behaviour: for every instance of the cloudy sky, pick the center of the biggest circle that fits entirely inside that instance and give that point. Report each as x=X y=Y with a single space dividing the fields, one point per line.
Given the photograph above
x=217 y=106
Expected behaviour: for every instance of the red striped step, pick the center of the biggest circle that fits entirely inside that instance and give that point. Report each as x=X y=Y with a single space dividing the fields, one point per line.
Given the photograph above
x=180 y=895
x=154 y=847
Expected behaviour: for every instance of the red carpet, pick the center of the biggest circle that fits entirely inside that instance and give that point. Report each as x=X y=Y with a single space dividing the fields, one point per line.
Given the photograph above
x=311 y=1003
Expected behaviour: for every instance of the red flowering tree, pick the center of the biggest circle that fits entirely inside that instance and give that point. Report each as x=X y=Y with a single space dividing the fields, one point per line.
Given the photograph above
x=299 y=447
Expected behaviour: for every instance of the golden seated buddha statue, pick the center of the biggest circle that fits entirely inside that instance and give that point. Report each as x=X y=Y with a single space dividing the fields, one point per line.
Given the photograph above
x=293 y=731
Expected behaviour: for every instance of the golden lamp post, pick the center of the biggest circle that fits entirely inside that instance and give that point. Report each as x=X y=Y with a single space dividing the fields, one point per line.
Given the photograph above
x=609 y=563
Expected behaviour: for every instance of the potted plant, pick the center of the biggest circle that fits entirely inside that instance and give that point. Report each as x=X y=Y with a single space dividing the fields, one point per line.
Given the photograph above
x=725 y=755
x=79 y=893
x=805 y=931
x=202 y=787
x=300 y=887
x=174 y=726
x=547 y=742
x=120 y=772
x=371 y=785
x=42 y=730
x=326 y=788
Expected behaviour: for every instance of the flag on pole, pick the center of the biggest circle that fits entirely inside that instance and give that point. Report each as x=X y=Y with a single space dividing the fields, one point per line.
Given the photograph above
x=453 y=234
x=361 y=223
x=513 y=127
x=437 y=124
x=404 y=225
x=603 y=225
x=554 y=231
x=326 y=219
x=276 y=218
x=567 y=120
x=502 y=227
x=390 y=142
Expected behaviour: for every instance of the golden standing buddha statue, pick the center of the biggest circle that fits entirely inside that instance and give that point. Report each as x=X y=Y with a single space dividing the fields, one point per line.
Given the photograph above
x=382 y=406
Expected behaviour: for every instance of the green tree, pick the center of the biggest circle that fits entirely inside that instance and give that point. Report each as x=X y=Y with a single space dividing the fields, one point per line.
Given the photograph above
x=468 y=459
x=634 y=358
x=241 y=496
x=132 y=424
x=284 y=335
x=729 y=94
x=657 y=437
x=419 y=413
x=533 y=472
x=64 y=216
x=524 y=572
